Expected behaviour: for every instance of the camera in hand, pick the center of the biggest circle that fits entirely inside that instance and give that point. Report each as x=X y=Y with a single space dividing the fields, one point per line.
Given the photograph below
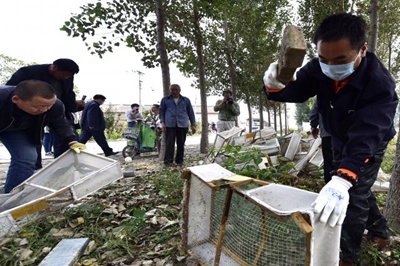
x=137 y=109
x=229 y=100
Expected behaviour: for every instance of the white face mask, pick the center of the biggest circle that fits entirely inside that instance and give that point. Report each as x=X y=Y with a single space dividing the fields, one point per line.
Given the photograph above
x=337 y=72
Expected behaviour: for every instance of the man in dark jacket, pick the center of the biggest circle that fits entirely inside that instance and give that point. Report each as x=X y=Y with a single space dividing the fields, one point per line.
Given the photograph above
x=24 y=109
x=93 y=124
x=60 y=75
x=357 y=102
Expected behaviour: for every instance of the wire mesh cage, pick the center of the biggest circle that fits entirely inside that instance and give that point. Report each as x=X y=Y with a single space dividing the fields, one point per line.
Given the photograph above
x=236 y=220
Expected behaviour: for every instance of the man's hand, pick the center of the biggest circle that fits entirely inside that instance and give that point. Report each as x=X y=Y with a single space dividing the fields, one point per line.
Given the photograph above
x=270 y=77
x=314 y=132
x=163 y=127
x=80 y=104
x=332 y=201
x=193 y=129
x=76 y=146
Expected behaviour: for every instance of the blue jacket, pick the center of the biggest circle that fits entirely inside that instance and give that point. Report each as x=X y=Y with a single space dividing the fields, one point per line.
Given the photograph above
x=92 y=116
x=359 y=117
x=176 y=115
x=41 y=72
x=54 y=118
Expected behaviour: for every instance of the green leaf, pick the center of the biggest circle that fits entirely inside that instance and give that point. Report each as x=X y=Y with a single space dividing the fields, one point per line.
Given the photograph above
x=138 y=213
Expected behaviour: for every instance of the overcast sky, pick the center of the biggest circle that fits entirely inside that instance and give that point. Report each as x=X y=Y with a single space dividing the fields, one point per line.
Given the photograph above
x=30 y=32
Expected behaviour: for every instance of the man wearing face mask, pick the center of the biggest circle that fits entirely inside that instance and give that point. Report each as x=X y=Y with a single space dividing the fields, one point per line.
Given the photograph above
x=93 y=124
x=357 y=102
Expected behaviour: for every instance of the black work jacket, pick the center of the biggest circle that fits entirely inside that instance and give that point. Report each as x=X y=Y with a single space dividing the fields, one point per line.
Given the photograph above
x=54 y=118
x=41 y=72
x=359 y=117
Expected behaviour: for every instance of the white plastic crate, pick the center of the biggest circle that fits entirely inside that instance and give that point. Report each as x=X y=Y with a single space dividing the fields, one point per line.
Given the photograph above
x=68 y=178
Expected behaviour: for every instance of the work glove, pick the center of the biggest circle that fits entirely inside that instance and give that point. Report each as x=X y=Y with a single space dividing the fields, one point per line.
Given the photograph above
x=332 y=201
x=76 y=146
x=270 y=77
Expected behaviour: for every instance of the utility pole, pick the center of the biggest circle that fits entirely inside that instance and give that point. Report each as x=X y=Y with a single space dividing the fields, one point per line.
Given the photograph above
x=140 y=86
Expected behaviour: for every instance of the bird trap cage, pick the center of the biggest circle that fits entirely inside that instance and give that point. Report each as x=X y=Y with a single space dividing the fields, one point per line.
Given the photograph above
x=236 y=220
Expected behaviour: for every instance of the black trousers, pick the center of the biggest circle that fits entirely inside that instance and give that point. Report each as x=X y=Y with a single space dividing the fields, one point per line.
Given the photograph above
x=362 y=212
x=98 y=136
x=173 y=134
x=327 y=154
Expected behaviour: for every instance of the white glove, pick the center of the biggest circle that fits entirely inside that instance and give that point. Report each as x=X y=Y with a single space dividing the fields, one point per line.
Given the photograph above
x=270 y=77
x=332 y=201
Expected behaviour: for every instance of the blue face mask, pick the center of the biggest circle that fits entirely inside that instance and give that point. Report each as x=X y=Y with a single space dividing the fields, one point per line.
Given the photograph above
x=337 y=72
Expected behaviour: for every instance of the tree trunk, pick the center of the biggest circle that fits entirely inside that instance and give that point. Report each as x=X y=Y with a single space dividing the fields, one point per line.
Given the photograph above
x=231 y=67
x=275 y=126
x=286 y=120
x=393 y=197
x=164 y=62
x=202 y=81
x=280 y=119
x=250 y=122
x=161 y=46
x=373 y=36
x=268 y=111
x=261 y=110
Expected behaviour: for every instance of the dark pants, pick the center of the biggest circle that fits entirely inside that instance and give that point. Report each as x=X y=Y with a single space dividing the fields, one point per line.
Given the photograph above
x=59 y=146
x=362 y=212
x=172 y=134
x=47 y=142
x=98 y=136
x=327 y=154
x=38 y=163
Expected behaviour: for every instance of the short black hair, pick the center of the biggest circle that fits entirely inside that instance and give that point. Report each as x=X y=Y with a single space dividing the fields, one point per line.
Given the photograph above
x=28 y=89
x=156 y=106
x=226 y=91
x=134 y=105
x=342 y=26
x=65 y=64
x=99 y=97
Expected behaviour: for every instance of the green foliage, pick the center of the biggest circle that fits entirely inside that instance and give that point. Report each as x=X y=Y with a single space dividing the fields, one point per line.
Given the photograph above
x=302 y=113
x=105 y=26
x=114 y=127
x=9 y=66
x=389 y=157
x=311 y=13
x=168 y=185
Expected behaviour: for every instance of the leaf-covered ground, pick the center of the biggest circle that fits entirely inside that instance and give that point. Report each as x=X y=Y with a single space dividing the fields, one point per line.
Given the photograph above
x=135 y=221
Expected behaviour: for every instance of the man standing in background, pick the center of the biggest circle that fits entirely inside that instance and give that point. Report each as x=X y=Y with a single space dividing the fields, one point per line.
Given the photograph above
x=228 y=111
x=175 y=113
x=93 y=124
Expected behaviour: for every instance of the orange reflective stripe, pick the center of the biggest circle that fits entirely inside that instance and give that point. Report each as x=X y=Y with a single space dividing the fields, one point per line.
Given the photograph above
x=366 y=160
x=272 y=90
x=350 y=173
